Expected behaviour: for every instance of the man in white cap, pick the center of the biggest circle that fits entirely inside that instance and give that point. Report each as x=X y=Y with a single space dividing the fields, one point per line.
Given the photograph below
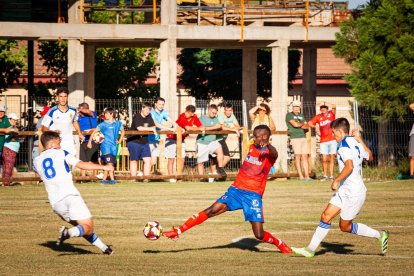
x=4 y=128
x=297 y=124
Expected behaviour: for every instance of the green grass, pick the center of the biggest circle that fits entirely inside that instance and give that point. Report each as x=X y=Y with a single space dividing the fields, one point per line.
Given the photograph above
x=222 y=245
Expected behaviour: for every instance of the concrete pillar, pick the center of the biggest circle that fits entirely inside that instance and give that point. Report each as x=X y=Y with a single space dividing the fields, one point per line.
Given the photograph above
x=309 y=80
x=309 y=92
x=89 y=77
x=75 y=59
x=279 y=98
x=168 y=76
x=168 y=12
x=249 y=76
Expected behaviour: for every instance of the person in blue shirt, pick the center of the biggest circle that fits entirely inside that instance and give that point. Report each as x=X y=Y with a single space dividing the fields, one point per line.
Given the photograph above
x=160 y=117
x=87 y=120
x=113 y=132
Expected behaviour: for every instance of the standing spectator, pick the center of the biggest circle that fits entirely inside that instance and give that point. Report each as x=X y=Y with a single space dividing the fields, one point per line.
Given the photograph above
x=260 y=115
x=138 y=145
x=113 y=131
x=209 y=144
x=296 y=124
x=88 y=120
x=411 y=147
x=160 y=116
x=4 y=128
x=228 y=122
x=189 y=122
x=63 y=118
x=327 y=140
x=11 y=148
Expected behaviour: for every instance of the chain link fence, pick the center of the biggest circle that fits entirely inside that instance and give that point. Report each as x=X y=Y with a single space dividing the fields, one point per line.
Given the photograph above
x=388 y=140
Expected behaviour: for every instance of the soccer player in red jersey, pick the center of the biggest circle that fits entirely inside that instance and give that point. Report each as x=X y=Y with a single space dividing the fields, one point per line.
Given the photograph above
x=245 y=193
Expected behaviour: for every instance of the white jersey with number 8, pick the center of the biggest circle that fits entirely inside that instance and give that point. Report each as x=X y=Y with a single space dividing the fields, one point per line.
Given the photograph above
x=53 y=167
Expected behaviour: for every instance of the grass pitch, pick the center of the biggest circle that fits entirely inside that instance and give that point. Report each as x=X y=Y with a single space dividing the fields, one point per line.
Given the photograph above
x=222 y=245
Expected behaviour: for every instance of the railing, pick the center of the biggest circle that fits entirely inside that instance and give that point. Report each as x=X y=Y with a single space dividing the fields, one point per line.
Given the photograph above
x=122 y=166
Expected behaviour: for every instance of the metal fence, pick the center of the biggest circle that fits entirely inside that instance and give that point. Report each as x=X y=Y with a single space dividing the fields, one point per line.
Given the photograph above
x=388 y=140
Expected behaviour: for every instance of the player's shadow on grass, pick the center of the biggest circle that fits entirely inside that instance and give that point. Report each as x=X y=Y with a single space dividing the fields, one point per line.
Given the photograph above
x=66 y=248
x=336 y=248
x=244 y=244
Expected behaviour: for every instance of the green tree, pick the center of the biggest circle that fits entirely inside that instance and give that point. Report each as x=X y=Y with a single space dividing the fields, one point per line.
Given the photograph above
x=12 y=62
x=379 y=47
x=119 y=72
x=209 y=73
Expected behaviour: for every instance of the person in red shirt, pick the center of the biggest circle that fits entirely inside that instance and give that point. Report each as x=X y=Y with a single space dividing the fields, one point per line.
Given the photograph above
x=245 y=193
x=187 y=121
x=327 y=141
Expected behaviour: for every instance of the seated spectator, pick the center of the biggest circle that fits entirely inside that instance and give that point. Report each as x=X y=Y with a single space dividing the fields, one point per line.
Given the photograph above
x=209 y=144
x=11 y=147
x=228 y=122
x=113 y=132
x=138 y=145
x=188 y=121
x=260 y=115
x=88 y=121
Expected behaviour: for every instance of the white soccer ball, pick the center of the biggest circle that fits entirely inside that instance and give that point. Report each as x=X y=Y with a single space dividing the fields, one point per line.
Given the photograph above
x=98 y=137
x=153 y=230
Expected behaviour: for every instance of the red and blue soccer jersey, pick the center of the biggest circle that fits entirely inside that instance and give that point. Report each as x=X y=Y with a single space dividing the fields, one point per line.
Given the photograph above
x=254 y=170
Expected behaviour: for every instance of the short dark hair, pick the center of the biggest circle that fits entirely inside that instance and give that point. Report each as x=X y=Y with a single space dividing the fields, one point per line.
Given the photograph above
x=341 y=123
x=159 y=99
x=228 y=105
x=146 y=104
x=262 y=127
x=61 y=90
x=110 y=110
x=190 y=108
x=47 y=136
x=84 y=104
x=213 y=106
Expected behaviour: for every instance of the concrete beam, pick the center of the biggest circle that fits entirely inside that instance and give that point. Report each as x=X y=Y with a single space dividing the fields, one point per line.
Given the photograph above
x=105 y=32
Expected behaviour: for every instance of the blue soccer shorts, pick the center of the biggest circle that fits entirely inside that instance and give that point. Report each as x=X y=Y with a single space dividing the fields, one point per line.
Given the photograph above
x=250 y=202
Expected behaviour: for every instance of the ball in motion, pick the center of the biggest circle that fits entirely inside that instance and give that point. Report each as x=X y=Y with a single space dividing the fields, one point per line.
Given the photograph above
x=153 y=230
x=98 y=137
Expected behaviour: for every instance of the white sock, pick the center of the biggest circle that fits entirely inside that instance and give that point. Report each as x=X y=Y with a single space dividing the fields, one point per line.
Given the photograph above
x=320 y=233
x=95 y=240
x=76 y=231
x=364 y=230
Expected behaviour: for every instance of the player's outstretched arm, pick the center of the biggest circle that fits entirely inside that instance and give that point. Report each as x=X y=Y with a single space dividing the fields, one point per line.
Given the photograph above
x=91 y=166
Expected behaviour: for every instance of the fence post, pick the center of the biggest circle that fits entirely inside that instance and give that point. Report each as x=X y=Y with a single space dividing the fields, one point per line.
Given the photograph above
x=245 y=143
x=130 y=111
x=179 y=160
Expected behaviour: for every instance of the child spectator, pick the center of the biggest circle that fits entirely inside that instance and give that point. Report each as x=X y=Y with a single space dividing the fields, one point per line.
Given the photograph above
x=11 y=148
x=111 y=129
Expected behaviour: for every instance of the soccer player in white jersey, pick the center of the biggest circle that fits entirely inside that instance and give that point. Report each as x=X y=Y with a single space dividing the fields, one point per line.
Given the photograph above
x=53 y=167
x=63 y=118
x=350 y=191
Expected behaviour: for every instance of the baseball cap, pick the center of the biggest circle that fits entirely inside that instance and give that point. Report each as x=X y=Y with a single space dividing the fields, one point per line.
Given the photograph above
x=2 y=108
x=324 y=106
x=296 y=103
x=45 y=110
x=12 y=116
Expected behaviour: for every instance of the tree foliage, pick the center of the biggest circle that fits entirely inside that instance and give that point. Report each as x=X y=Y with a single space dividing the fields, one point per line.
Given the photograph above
x=12 y=62
x=379 y=45
x=209 y=73
x=119 y=72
